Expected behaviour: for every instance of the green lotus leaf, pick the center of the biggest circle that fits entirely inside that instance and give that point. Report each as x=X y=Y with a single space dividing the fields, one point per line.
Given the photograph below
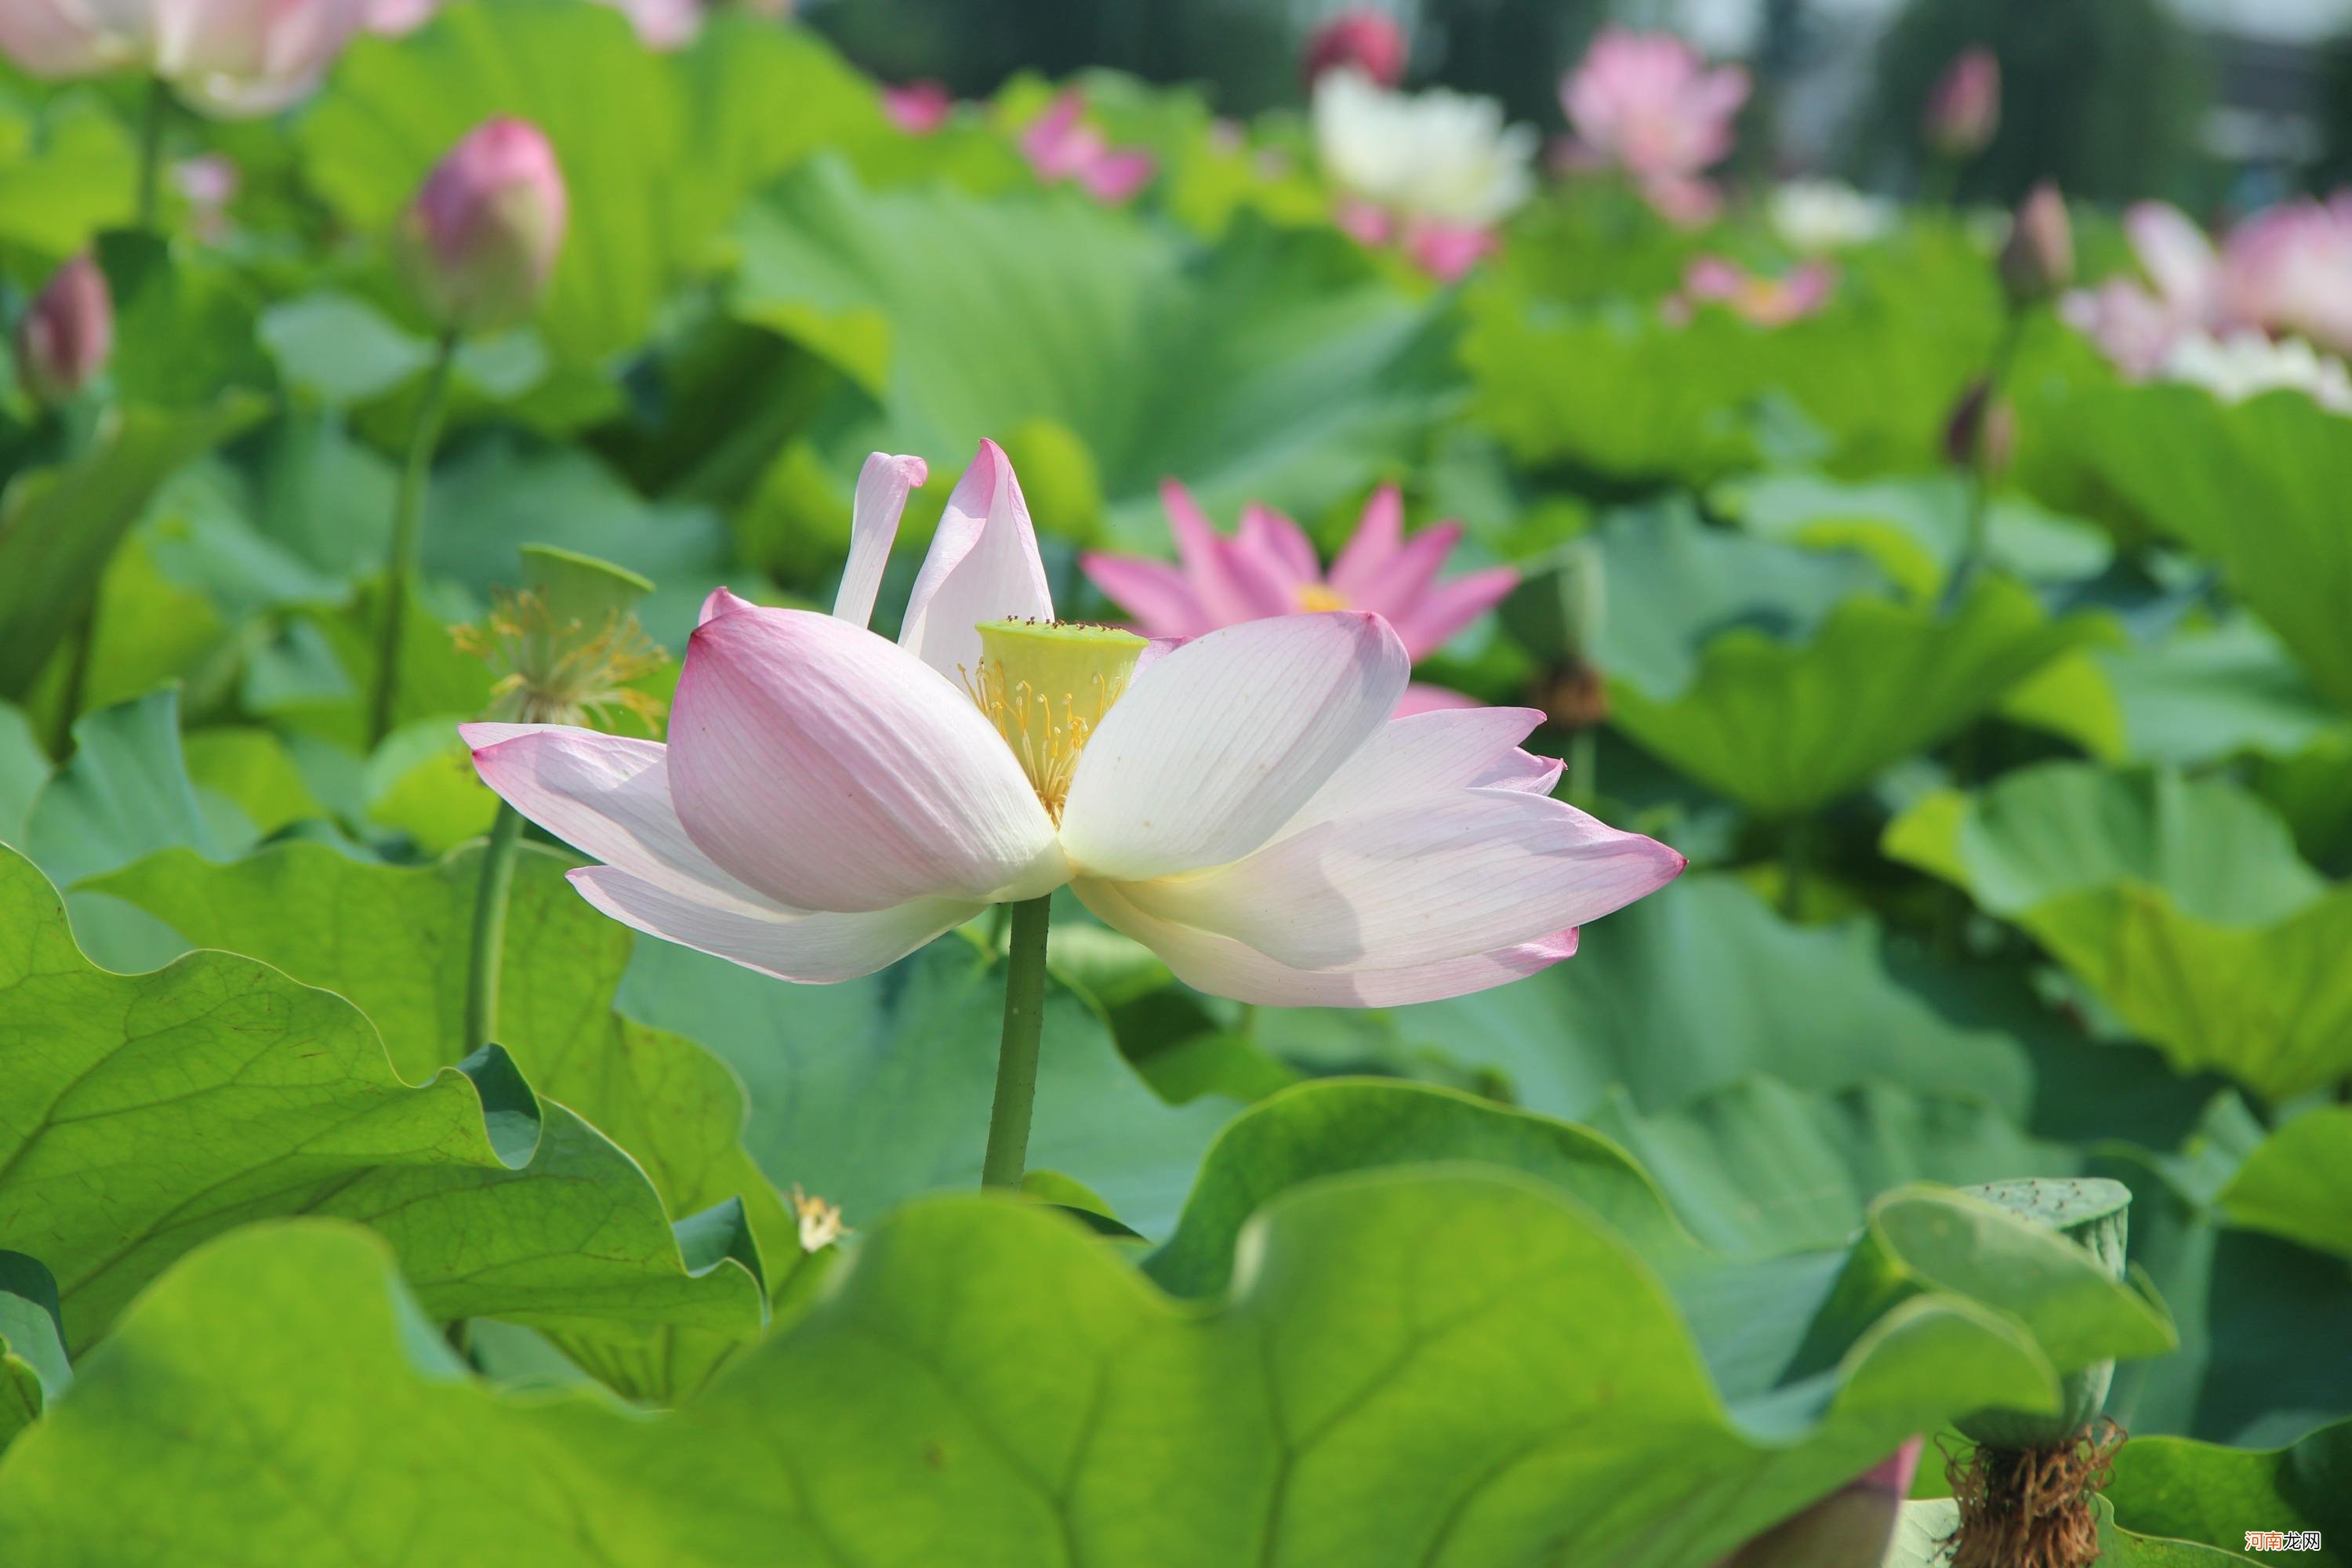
x=34 y=1368
x=1914 y=529
x=150 y=1113
x=2183 y=905
x=1272 y=367
x=1412 y=1367
x=2255 y=486
x=2298 y=1184
x=2203 y=1492
x=394 y=940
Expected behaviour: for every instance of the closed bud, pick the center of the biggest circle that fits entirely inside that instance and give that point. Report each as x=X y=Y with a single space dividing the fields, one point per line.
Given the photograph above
x=67 y=335
x=1982 y=432
x=1365 y=40
x=2038 y=259
x=1964 y=111
x=482 y=239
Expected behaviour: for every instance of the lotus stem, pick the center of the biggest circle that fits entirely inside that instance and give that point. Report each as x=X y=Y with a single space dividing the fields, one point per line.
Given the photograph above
x=152 y=125
x=1584 y=767
x=1016 y=1060
x=407 y=538
x=1980 y=478
x=491 y=894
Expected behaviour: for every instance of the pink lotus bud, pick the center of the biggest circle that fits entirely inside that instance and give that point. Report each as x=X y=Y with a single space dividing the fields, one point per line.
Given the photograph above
x=1981 y=434
x=67 y=335
x=1365 y=40
x=2038 y=259
x=241 y=58
x=482 y=239
x=919 y=108
x=1964 y=111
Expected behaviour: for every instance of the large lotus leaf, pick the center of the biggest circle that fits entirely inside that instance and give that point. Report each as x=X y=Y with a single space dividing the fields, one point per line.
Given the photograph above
x=1411 y=1368
x=1272 y=365
x=395 y=940
x=2199 y=1491
x=876 y=1090
x=1917 y=527
x=2182 y=904
x=149 y=1112
x=656 y=149
x=2298 y=1184
x=33 y=1366
x=57 y=526
x=1689 y=990
x=2255 y=486
x=70 y=170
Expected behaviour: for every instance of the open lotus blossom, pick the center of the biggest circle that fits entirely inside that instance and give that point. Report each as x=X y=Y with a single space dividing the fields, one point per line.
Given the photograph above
x=1828 y=214
x=2245 y=363
x=2288 y=270
x=230 y=59
x=1646 y=103
x=918 y=108
x=1432 y=172
x=1244 y=804
x=1269 y=569
x=2136 y=327
x=1759 y=297
x=1061 y=146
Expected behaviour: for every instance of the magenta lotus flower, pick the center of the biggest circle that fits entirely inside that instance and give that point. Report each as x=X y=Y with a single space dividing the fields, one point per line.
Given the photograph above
x=1269 y=569
x=1758 y=297
x=67 y=335
x=1244 y=804
x=1061 y=146
x=1366 y=41
x=1646 y=103
x=919 y=108
x=230 y=59
x=1964 y=111
x=482 y=237
x=2288 y=270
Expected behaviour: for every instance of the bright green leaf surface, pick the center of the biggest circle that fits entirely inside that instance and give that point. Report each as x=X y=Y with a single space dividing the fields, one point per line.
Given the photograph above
x=2298 y=1184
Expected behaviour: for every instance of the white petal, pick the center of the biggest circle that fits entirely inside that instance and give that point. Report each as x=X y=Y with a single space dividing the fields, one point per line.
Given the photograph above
x=831 y=770
x=816 y=949
x=1430 y=879
x=983 y=566
x=1222 y=742
x=882 y=487
x=1224 y=967
x=1431 y=752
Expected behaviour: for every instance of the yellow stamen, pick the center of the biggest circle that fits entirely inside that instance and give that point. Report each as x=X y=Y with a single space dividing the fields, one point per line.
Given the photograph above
x=1319 y=596
x=1046 y=686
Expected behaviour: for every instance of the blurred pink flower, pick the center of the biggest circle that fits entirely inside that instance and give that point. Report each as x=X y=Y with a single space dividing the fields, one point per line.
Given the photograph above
x=398 y=18
x=918 y=108
x=480 y=241
x=1964 y=111
x=662 y=23
x=1764 y=300
x=1269 y=569
x=230 y=58
x=1644 y=102
x=1365 y=39
x=67 y=335
x=209 y=182
x=2135 y=328
x=1060 y=145
x=2288 y=270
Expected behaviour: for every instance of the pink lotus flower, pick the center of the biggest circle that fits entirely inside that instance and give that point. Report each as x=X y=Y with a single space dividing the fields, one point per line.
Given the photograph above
x=398 y=18
x=482 y=239
x=67 y=335
x=1645 y=103
x=1269 y=569
x=919 y=108
x=230 y=59
x=1755 y=297
x=662 y=25
x=2288 y=270
x=1365 y=40
x=1964 y=111
x=1244 y=804
x=1060 y=145
x=2135 y=328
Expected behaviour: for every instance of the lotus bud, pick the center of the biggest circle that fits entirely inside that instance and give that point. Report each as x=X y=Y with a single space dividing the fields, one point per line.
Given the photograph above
x=67 y=335
x=1982 y=432
x=482 y=239
x=2038 y=262
x=1964 y=111
x=1365 y=40
x=567 y=646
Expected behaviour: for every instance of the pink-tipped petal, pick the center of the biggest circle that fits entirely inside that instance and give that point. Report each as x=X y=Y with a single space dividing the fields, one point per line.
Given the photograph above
x=1393 y=590
x=983 y=566
x=1430 y=754
x=1224 y=967
x=1274 y=538
x=722 y=602
x=813 y=949
x=1424 y=882
x=1229 y=590
x=1379 y=533
x=832 y=770
x=2176 y=254
x=1225 y=739
x=1157 y=597
x=1430 y=622
x=882 y=487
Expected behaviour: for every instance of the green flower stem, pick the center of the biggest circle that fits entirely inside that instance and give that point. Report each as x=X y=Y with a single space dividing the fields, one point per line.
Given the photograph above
x=1584 y=766
x=81 y=645
x=152 y=125
x=1973 y=541
x=488 y=947
x=407 y=538
x=1016 y=1059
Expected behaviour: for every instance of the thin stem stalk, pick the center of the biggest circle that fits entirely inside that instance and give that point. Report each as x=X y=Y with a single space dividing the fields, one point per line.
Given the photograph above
x=488 y=947
x=152 y=125
x=407 y=538
x=1016 y=1060
x=1980 y=475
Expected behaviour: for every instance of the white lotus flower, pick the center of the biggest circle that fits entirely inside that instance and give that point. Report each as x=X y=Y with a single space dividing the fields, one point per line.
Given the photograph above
x=2246 y=363
x=1829 y=215
x=1442 y=157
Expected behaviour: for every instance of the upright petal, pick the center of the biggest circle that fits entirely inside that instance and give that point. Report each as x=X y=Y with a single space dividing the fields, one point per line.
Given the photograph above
x=882 y=487
x=1281 y=541
x=831 y=770
x=1159 y=596
x=1219 y=743
x=1224 y=967
x=1378 y=534
x=1420 y=882
x=1229 y=590
x=722 y=602
x=813 y=948
x=983 y=566
x=1429 y=621
x=1392 y=589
